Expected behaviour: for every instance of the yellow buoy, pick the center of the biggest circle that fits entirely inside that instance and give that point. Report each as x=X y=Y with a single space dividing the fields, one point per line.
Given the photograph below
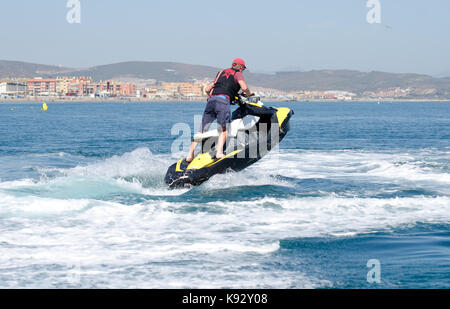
x=44 y=107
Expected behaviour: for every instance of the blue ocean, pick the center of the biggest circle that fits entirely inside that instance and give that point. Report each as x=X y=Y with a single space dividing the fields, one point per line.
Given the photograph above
x=356 y=196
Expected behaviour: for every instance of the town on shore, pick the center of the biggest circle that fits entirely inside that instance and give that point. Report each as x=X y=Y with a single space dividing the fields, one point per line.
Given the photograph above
x=68 y=88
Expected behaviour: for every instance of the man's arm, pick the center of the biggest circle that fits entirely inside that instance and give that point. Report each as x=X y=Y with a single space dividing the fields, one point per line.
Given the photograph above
x=209 y=88
x=245 y=89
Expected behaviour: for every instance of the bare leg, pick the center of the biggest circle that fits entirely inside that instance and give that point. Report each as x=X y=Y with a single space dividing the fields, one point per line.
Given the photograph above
x=194 y=144
x=190 y=156
x=221 y=143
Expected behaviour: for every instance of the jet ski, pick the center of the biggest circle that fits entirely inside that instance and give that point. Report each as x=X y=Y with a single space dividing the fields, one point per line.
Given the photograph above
x=254 y=130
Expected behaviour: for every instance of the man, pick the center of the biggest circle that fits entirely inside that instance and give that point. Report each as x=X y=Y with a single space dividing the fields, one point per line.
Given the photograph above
x=225 y=87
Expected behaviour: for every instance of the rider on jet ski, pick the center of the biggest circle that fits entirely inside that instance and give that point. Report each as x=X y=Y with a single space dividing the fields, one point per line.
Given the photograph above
x=224 y=89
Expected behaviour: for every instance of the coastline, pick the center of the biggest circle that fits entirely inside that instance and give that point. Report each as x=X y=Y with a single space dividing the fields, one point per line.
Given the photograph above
x=199 y=99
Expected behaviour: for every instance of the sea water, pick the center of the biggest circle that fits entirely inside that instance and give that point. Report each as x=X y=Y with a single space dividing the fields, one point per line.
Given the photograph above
x=83 y=203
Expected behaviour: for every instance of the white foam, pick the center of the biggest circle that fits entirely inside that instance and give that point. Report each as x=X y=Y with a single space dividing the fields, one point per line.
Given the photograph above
x=319 y=216
x=33 y=206
x=64 y=221
x=104 y=233
x=17 y=183
x=380 y=167
x=126 y=172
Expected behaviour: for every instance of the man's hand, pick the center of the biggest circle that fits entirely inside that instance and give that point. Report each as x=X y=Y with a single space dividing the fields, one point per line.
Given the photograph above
x=245 y=90
x=209 y=88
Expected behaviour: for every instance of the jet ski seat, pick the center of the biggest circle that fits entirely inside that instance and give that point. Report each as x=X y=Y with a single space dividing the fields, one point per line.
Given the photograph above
x=236 y=125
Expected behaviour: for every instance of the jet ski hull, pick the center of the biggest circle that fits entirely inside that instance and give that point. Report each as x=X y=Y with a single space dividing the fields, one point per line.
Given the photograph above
x=269 y=131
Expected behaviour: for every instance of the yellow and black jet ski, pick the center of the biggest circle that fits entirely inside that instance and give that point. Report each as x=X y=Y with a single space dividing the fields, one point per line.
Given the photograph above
x=254 y=130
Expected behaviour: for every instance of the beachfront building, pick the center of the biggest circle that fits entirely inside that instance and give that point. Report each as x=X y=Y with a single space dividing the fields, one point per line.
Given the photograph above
x=124 y=90
x=73 y=86
x=170 y=88
x=110 y=89
x=183 y=89
x=41 y=86
x=191 y=90
x=12 y=88
x=338 y=95
x=77 y=87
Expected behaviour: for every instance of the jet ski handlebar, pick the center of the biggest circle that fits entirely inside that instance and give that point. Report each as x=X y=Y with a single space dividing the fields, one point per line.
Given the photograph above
x=241 y=100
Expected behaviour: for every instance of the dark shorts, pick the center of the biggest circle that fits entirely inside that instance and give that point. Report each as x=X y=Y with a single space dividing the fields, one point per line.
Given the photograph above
x=218 y=107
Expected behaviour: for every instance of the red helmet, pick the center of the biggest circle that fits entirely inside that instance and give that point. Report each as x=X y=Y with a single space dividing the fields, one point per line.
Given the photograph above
x=239 y=61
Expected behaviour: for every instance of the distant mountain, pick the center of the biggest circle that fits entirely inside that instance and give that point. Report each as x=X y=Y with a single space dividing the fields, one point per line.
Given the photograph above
x=10 y=69
x=161 y=71
x=354 y=81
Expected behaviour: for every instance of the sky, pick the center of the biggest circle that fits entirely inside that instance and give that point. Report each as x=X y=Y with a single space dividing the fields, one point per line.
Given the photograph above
x=412 y=36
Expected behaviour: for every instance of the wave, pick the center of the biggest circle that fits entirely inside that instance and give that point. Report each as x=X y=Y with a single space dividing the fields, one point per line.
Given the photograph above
x=366 y=183
x=139 y=172
x=118 y=212
x=162 y=237
x=142 y=164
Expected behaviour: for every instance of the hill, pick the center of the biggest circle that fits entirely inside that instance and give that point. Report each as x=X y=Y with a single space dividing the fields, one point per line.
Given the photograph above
x=354 y=81
x=11 y=69
x=161 y=71
x=348 y=80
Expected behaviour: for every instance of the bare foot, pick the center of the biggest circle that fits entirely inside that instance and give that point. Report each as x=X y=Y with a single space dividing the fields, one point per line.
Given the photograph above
x=220 y=155
x=189 y=159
